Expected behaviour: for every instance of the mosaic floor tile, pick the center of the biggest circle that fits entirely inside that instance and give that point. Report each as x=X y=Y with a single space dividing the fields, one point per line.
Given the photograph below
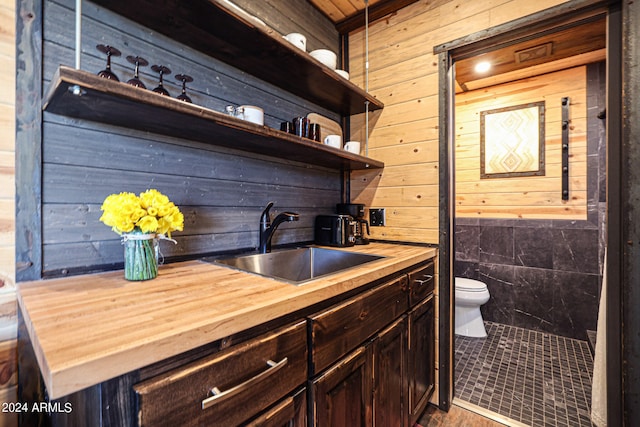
x=532 y=377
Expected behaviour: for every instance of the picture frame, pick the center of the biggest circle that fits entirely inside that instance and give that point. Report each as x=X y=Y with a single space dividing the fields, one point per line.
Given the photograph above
x=512 y=141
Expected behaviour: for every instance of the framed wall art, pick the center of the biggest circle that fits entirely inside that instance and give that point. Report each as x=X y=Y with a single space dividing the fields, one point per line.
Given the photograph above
x=512 y=141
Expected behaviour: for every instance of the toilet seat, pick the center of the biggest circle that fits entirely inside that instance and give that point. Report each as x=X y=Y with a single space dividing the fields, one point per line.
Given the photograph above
x=469 y=285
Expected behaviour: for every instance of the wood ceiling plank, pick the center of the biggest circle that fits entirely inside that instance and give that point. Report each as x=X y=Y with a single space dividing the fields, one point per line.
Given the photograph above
x=329 y=9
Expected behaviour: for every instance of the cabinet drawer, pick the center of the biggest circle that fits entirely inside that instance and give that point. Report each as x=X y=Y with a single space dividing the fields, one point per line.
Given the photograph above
x=248 y=378
x=343 y=327
x=421 y=283
x=290 y=412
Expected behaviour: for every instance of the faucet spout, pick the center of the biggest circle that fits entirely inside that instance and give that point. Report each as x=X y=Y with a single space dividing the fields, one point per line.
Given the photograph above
x=267 y=228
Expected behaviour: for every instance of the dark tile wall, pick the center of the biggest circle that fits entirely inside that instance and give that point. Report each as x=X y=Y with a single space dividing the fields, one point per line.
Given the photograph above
x=540 y=276
x=544 y=275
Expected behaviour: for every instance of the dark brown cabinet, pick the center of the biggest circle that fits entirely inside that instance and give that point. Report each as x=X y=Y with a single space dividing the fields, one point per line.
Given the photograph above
x=390 y=375
x=367 y=360
x=230 y=387
x=290 y=412
x=340 y=329
x=342 y=395
x=421 y=355
x=421 y=283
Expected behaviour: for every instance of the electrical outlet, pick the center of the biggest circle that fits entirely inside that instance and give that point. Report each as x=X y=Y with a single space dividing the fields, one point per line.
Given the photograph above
x=376 y=217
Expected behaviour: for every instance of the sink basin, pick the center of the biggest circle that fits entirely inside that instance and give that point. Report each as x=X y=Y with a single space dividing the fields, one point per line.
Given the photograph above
x=297 y=265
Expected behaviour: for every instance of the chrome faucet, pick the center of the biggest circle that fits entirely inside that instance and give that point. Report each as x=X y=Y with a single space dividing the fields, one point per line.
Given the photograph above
x=267 y=228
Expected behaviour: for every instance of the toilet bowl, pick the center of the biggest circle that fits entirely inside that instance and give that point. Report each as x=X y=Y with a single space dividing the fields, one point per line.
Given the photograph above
x=470 y=295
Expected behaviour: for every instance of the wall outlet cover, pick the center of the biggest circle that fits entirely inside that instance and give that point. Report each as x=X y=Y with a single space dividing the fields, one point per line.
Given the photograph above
x=377 y=217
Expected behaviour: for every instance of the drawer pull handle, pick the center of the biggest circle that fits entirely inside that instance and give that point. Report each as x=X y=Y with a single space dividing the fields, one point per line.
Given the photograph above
x=219 y=396
x=427 y=277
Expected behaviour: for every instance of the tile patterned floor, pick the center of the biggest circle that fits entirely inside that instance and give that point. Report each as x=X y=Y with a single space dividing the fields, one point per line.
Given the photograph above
x=535 y=378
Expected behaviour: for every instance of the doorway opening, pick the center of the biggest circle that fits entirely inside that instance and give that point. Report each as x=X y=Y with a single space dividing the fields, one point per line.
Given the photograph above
x=513 y=232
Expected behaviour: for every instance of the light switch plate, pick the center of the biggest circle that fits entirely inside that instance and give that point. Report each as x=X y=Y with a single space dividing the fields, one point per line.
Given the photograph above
x=376 y=217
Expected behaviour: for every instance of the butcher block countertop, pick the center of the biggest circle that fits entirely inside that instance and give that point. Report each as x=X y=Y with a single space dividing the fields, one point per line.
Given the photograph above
x=91 y=328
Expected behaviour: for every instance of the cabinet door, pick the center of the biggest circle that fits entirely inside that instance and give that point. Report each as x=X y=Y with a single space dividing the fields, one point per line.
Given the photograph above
x=230 y=387
x=342 y=395
x=290 y=412
x=390 y=376
x=421 y=357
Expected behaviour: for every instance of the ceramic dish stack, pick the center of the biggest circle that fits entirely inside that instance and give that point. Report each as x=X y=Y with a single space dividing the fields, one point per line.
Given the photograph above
x=330 y=59
x=325 y=56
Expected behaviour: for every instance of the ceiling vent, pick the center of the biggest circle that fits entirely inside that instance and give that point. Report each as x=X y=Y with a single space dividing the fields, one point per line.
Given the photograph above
x=534 y=53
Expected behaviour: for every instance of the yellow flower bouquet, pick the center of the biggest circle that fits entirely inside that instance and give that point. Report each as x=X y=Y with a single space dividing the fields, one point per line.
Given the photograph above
x=141 y=221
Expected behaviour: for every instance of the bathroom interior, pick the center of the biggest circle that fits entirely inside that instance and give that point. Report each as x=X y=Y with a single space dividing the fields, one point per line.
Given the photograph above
x=534 y=255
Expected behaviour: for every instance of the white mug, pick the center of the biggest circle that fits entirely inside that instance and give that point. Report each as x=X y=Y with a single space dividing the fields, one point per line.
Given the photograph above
x=251 y=113
x=333 y=141
x=352 y=147
x=298 y=40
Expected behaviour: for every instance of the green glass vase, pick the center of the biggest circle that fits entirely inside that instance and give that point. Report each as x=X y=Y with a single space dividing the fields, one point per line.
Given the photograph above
x=140 y=256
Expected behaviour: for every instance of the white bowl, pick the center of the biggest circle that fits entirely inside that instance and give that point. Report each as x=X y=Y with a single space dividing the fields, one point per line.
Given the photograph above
x=298 y=40
x=343 y=73
x=327 y=57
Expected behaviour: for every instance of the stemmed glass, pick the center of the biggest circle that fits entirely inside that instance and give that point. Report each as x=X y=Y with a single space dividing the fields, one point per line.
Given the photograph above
x=138 y=62
x=110 y=51
x=184 y=79
x=162 y=70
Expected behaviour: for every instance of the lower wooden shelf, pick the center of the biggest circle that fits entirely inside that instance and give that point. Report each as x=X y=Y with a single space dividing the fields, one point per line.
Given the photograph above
x=83 y=95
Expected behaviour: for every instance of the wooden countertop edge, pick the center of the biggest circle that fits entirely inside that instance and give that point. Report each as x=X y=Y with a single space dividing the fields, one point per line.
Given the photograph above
x=68 y=376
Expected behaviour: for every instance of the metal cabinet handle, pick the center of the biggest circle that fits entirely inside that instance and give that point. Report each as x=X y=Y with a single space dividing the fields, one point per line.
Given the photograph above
x=422 y=282
x=219 y=396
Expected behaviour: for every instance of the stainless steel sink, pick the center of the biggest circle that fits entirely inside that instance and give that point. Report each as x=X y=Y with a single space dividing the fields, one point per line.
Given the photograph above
x=296 y=266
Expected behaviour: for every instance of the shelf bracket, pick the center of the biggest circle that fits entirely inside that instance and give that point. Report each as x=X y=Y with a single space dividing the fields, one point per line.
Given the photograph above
x=565 y=148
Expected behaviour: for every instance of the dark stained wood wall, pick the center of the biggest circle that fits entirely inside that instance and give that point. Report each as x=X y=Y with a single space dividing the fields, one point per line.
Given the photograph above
x=221 y=192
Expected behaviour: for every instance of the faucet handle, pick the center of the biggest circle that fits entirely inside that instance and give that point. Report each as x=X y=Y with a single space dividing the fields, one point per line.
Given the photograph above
x=265 y=218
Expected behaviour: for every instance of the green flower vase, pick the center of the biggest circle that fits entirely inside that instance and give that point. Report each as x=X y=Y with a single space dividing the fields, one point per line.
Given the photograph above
x=140 y=256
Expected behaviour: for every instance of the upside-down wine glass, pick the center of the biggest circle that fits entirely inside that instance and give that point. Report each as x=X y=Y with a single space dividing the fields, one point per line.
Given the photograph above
x=184 y=79
x=162 y=70
x=138 y=62
x=110 y=51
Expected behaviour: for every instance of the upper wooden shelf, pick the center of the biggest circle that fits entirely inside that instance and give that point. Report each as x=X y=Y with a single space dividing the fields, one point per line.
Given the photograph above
x=223 y=33
x=84 y=95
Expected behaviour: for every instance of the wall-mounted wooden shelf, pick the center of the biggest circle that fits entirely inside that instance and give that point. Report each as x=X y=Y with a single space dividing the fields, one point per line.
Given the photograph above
x=83 y=95
x=220 y=32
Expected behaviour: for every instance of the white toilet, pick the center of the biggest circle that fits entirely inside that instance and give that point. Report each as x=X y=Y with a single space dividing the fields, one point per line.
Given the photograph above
x=470 y=295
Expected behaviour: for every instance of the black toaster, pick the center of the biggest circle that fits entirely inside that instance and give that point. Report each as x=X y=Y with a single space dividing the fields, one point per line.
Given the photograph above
x=335 y=230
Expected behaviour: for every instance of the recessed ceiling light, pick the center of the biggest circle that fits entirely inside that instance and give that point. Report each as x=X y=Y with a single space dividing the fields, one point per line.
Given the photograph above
x=482 y=67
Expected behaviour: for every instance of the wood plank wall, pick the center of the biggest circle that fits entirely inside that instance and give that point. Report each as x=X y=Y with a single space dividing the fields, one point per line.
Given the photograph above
x=403 y=73
x=532 y=197
x=7 y=141
x=221 y=192
x=8 y=306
